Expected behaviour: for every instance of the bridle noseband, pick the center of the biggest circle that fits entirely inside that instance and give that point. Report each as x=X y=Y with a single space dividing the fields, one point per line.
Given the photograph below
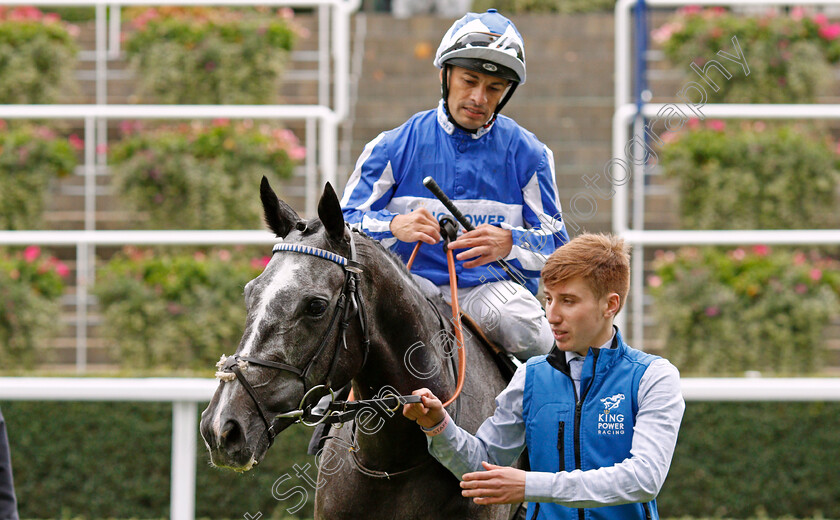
x=349 y=304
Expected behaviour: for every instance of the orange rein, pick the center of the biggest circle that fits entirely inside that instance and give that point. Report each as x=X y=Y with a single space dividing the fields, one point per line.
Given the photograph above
x=456 y=319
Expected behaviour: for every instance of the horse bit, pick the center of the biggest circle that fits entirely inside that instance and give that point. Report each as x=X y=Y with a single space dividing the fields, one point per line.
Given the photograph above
x=349 y=303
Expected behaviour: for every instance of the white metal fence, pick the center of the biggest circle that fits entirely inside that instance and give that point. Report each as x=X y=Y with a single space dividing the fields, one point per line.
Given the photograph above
x=186 y=394
x=321 y=129
x=627 y=115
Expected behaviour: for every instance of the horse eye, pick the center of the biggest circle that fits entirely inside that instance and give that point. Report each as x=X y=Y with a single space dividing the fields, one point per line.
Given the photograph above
x=317 y=307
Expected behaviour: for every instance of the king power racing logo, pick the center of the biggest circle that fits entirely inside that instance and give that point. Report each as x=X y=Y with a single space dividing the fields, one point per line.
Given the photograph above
x=610 y=422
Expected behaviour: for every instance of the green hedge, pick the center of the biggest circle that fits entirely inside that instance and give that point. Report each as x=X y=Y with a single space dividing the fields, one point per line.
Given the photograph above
x=789 y=56
x=726 y=312
x=31 y=158
x=754 y=175
x=37 y=56
x=209 y=56
x=201 y=175
x=543 y=6
x=98 y=460
x=30 y=287
x=178 y=310
x=112 y=460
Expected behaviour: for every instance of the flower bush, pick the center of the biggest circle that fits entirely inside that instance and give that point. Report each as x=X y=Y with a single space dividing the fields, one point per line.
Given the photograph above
x=789 y=56
x=31 y=284
x=174 y=310
x=543 y=6
x=726 y=312
x=201 y=176
x=30 y=157
x=209 y=56
x=37 y=56
x=753 y=175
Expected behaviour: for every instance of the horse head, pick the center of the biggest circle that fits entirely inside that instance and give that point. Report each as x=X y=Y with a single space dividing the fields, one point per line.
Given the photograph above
x=302 y=331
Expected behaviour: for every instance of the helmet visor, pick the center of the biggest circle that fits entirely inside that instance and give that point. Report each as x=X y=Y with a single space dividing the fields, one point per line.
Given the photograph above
x=481 y=39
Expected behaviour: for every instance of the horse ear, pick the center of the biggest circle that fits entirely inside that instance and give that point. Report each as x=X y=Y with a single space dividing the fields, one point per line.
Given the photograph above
x=279 y=216
x=329 y=211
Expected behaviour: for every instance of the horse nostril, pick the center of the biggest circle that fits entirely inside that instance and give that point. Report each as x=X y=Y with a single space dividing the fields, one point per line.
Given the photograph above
x=231 y=434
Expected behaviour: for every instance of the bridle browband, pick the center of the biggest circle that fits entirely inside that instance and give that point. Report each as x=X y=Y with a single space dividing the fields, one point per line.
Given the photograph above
x=349 y=304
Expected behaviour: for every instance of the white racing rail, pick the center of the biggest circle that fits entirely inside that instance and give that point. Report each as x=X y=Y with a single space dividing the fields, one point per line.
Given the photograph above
x=626 y=123
x=186 y=393
x=321 y=132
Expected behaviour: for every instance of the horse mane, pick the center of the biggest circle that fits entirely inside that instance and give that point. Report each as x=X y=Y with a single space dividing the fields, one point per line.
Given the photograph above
x=390 y=255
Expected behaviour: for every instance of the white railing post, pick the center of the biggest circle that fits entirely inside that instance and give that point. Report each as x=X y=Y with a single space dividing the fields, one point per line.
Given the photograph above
x=182 y=486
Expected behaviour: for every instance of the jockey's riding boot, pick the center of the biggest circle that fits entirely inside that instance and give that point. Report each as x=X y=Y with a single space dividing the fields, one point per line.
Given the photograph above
x=320 y=433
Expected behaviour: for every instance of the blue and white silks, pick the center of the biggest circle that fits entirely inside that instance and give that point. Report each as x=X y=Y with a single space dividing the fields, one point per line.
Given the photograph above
x=501 y=175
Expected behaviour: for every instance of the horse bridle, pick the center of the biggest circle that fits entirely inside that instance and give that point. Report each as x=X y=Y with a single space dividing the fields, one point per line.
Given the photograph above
x=349 y=304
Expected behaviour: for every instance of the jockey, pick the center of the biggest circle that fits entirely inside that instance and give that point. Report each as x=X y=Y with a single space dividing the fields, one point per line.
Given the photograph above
x=496 y=172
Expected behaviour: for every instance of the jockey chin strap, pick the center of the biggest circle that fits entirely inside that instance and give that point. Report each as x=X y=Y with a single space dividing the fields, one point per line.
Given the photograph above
x=349 y=305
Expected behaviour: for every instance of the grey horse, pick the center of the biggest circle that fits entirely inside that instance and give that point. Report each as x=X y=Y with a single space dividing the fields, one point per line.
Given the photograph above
x=389 y=343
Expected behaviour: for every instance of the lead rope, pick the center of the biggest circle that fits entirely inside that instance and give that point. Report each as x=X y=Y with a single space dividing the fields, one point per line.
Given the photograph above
x=456 y=319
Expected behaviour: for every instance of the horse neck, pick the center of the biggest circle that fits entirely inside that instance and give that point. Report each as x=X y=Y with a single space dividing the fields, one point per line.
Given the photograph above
x=400 y=319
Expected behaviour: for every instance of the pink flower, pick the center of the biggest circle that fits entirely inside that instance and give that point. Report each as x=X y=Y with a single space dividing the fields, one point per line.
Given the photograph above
x=199 y=256
x=830 y=32
x=669 y=137
x=73 y=30
x=693 y=123
x=654 y=281
x=101 y=149
x=297 y=153
x=801 y=288
x=130 y=127
x=820 y=19
x=50 y=18
x=224 y=255
x=221 y=121
x=260 y=263
x=712 y=311
x=759 y=126
x=664 y=33
x=2 y=124
x=716 y=124
x=31 y=253
x=76 y=142
x=286 y=13
x=799 y=258
x=44 y=133
x=62 y=269
x=816 y=274
x=797 y=13
x=761 y=250
x=738 y=254
x=689 y=10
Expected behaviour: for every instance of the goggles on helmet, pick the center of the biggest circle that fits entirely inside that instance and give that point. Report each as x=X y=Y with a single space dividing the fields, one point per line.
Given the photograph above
x=477 y=39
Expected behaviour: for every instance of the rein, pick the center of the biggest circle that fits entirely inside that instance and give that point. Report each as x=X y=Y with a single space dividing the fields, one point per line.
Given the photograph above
x=456 y=310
